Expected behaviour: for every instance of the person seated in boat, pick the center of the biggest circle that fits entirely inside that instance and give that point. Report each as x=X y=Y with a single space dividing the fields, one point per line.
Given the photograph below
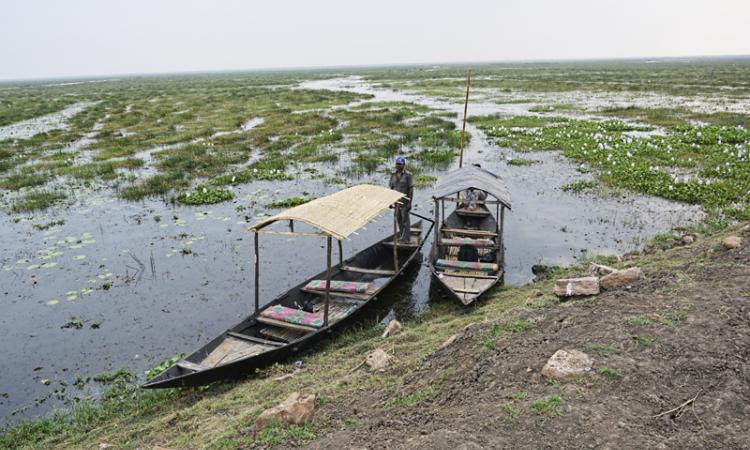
x=403 y=181
x=471 y=197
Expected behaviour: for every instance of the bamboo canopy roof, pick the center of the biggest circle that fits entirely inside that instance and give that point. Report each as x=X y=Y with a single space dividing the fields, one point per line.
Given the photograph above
x=341 y=214
x=468 y=177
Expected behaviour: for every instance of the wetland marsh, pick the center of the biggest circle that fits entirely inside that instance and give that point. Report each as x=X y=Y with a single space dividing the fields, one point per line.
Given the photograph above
x=125 y=203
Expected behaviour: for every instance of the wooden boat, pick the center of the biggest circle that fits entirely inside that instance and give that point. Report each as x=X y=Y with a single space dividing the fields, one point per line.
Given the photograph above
x=336 y=297
x=467 y=256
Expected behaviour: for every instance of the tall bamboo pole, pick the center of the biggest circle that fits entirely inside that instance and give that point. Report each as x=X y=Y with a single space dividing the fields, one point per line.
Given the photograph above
x=257 y=274
x=466 y=108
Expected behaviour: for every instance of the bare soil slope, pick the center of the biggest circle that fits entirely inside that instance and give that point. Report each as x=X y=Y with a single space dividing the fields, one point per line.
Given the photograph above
x=670 y=370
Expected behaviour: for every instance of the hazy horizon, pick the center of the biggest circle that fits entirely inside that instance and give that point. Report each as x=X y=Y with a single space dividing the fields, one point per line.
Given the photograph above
x=86 y=39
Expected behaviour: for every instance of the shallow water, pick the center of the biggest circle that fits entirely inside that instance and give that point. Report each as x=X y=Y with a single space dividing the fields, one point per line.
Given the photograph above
x=42 y=124
x=150 y=280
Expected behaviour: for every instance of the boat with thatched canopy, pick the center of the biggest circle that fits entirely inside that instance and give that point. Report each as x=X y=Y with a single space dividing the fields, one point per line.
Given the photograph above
x=329 y=301
x=467 y=256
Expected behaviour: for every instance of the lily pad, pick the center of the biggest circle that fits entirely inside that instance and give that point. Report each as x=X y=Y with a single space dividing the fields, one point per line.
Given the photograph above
x=48 y=265
x=32 y=267
x=89 y=241
x=53 y=302
x=79 y=257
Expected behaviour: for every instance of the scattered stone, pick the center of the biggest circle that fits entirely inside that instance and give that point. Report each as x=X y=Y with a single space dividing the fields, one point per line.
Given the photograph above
x=745 y=229
x=687 y=239
x=448 y=342
x=103 y=445
x=600 y=270
x=731 y=242
x=566 y=365
x=378 y=360
x=570 y=287
x=621 y=278
x=394 y=327
x=295 y=410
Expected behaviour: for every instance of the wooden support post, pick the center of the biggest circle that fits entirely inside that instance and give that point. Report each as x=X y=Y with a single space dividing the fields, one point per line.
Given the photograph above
x=257 y=275
x=437 y=227
x=328 y=284
x=502 y=238
x=341 y=254
x=291 y=226
x=395 y=238
x=442 y=207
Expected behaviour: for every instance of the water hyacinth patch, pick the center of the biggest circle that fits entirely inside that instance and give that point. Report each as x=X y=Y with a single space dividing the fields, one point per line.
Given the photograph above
x=288 y=202
x=203 y=195
x=707 y=165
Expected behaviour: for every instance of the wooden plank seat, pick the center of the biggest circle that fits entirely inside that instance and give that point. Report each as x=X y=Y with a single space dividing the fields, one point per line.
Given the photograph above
x=466 y=291
x=368 y=271
x=254 y=339
x=232 y=349
x=457 y=242
x=466 y=265
x=466 y=232
x=338 y=308
x=340 y=294
x=282 y=334
x=462 y=274
x=349 y=287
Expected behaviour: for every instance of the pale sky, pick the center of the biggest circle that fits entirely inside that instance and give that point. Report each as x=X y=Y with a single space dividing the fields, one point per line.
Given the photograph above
x=68 y=38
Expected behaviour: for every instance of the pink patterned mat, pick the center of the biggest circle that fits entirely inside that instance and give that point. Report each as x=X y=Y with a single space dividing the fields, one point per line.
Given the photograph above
x=296 y=316
x=466 y=265
x=339 y=286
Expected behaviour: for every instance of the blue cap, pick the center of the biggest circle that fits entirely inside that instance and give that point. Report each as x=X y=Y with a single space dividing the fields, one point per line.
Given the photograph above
x=400 y=160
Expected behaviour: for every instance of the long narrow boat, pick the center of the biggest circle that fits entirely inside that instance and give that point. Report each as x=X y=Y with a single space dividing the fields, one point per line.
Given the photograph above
x=468 y=256
x=327 y=302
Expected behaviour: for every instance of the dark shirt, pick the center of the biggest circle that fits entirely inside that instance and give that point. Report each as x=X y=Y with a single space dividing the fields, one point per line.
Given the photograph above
x=403 y=183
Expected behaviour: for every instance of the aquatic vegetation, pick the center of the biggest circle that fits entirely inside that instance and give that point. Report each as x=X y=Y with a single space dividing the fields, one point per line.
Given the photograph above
x=154 y=185
x=422 y=181
x=288 y=202
x=34 y=200
x=204 y=195
x=707 y=165
x=48 y=225
x=18 y=181
x=579 y=186
x=675 y=117
x=521 y=162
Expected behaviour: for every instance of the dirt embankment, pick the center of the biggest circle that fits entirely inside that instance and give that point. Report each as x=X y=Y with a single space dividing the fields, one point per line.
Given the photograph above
x=671 y=370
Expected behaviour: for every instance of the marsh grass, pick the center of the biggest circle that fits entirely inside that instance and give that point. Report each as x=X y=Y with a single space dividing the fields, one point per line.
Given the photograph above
x=19 y=181
x=288 y=202
x=157 y=185
x=522 y=162
x=579 y=186
x=35 y=200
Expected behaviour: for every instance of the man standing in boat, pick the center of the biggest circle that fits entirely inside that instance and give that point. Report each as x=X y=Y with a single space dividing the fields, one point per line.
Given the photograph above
x=403 y=181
